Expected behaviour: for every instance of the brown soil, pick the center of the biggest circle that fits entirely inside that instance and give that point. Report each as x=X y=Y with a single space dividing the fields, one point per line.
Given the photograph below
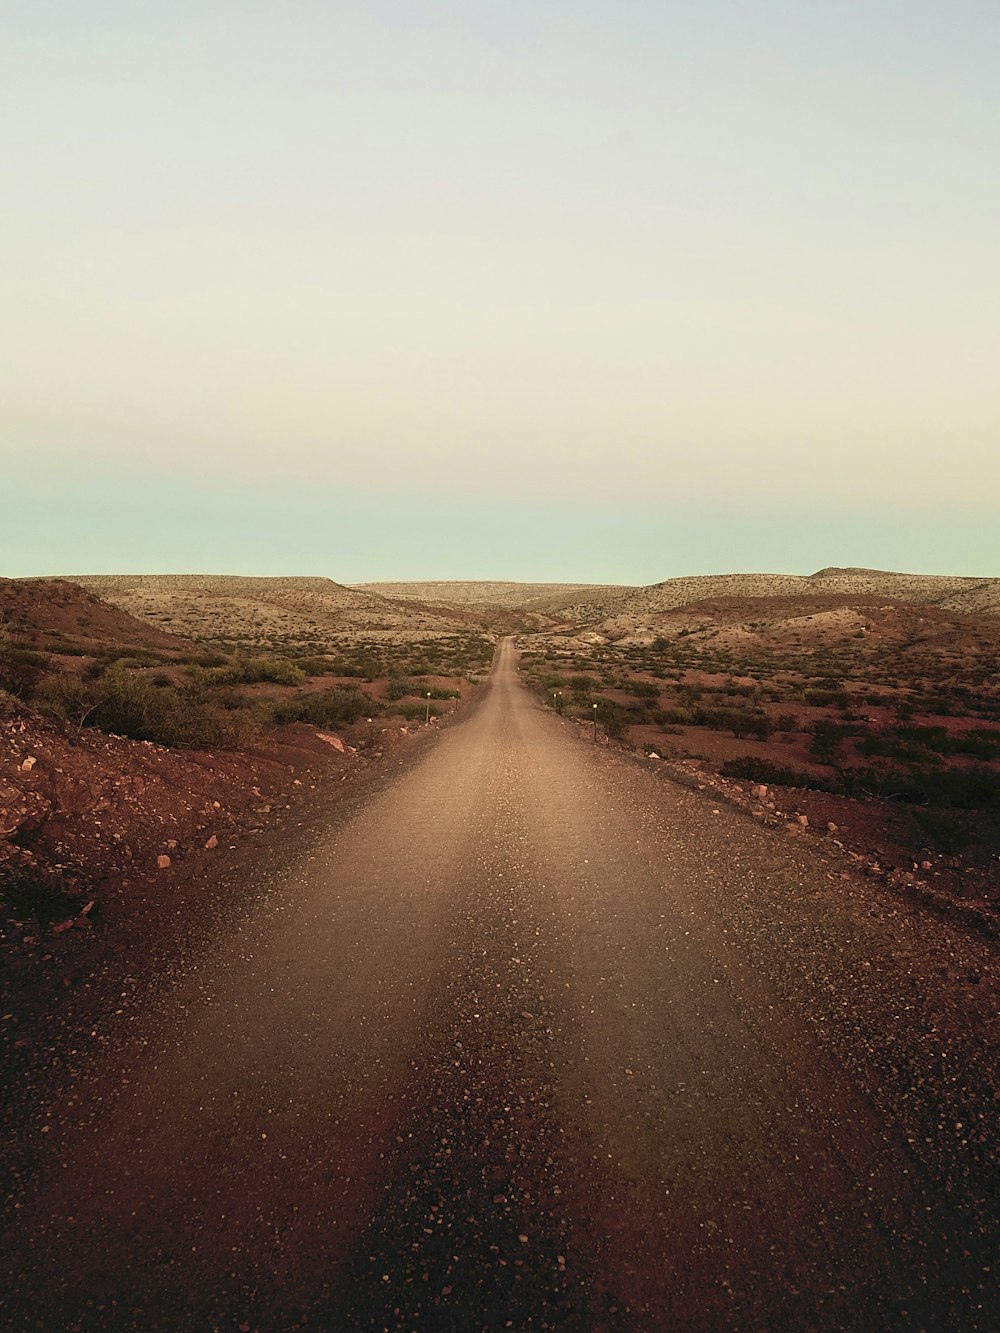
x=45 y=612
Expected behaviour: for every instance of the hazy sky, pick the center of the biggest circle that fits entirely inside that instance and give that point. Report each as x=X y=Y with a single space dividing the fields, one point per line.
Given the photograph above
x=601 y=291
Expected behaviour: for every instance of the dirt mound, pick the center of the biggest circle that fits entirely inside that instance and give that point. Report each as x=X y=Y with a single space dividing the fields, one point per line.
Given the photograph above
x=83 y=813
x=44 y=612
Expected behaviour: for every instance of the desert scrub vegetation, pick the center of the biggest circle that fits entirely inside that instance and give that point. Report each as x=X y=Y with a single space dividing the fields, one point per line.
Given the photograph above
x=752 y=768
x=325 y=708
x=126 y=702
x=251 y=671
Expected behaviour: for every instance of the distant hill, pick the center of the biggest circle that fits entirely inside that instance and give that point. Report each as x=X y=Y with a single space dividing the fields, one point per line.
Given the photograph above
x=266 y=611
x=487 y=593
x=632 y=605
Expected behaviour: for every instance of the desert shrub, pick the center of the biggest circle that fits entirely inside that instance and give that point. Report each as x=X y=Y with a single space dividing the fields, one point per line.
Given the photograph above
x=882 y=781
x=826 y=739
x=666 y=717
x=826 y=698
x=252 y=671
x=397 y=688
x=326 y=708
x=786 y=722
x=20 y=669
x=980 y=744
x=643 y=689
x=613 y=717
x=583 y=684
x=890 y=746
x=964 y=789
x=129 y=703
x=317 y=666
x=752 y=769
x=400 y=689
x=413 y=710
x=741 y=722
x=69 y=698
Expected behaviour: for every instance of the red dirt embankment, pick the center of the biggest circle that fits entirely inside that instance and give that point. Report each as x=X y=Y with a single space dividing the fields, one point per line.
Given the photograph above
x=86 y=816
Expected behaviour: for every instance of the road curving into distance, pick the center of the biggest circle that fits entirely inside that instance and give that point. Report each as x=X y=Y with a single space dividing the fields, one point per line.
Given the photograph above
x=531 y=1038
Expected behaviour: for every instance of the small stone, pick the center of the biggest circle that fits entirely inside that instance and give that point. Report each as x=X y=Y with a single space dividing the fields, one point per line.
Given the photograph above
x=832 y=827
x=803 y=820
x=28 y=764
x=162 y=861
x=212 y=842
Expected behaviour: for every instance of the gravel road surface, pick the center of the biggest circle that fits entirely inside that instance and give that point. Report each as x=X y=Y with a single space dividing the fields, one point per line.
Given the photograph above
x=531 y=1038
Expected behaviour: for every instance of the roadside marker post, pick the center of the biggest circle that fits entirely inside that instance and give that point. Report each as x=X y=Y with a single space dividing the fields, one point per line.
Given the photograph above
x=594 y=706
x=427 y=715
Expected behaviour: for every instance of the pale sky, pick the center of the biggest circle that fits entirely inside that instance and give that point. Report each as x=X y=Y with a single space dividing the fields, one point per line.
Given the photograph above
x=601 y=291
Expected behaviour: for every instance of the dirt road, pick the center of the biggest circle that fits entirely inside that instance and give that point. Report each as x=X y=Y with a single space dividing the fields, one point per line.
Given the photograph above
x=533 y=1039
